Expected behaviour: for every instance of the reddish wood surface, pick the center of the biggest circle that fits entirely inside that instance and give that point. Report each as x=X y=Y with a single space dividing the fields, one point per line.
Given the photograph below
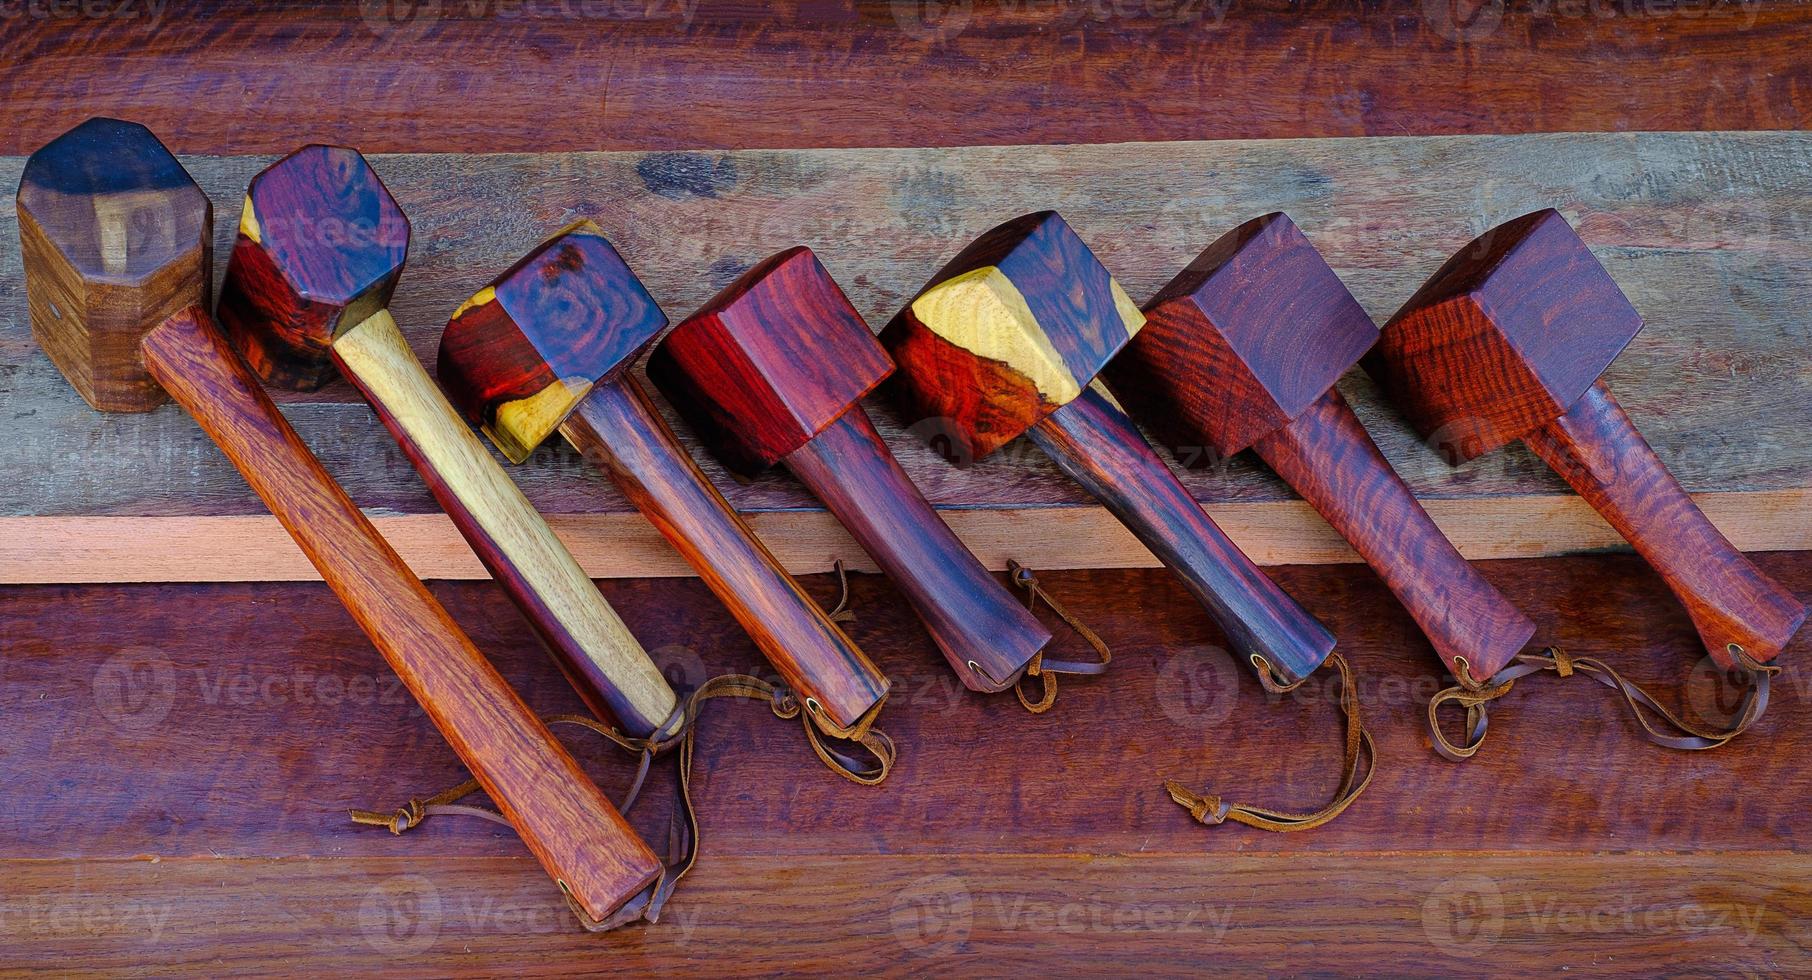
x=1098 y=447
x=492 y=77
x=1506 y=341
x=773 y=368
x=1242 y=350
x=331 y=246
x=574 y=832
x=1735 y=607
x=618 y=430
x=984 y=632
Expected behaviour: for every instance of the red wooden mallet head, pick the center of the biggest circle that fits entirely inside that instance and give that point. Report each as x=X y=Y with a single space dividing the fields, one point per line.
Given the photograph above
x=1006 y=339
x=1507 y=341
x=773 y=369
x=1242 y=350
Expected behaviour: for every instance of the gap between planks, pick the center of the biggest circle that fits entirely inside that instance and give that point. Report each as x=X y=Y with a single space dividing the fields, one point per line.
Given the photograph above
x=72 y=550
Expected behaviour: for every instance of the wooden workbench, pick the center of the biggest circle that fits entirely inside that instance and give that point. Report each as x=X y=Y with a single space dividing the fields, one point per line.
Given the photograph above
x=185 y=713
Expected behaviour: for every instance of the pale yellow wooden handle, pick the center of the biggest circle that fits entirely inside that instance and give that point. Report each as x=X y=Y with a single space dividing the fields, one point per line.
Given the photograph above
x=603 y=660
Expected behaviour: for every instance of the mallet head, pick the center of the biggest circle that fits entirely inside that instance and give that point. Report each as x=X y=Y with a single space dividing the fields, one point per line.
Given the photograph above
x=321 y=245
x=521 y=354
x=1505 y=337
x=1244 y=339
x=769 y=361
x=1012 y=329
x=115 y=237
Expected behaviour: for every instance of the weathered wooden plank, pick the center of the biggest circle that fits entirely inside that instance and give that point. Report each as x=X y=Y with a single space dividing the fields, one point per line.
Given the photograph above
x=1707 y=233
x=1169 y=913
x=66 y=550
x=678 y=73
x=241 y=720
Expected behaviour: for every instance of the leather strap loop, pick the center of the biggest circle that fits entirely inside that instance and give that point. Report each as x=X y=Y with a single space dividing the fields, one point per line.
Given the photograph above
x=1211 y=809
x=1047 y=668
x=1658 y=724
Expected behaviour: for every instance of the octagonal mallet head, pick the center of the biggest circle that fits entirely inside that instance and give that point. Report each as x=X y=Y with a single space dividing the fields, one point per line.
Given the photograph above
x=1507 y=340
x=773 y=369
x=320 y=247
x=521 y=354
x=115 y=237
x=1013 y=328
x=1242 y=350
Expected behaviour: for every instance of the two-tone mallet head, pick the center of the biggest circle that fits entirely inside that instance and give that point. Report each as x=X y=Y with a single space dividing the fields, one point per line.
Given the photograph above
x=1241 y=350
x=115 y=237
x=549 y=346
x=1506 y=341
x=773 y=369
x=321 y=246
x=1006 y=339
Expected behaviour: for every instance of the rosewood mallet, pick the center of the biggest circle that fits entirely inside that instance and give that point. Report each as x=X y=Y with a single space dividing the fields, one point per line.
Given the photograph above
x=1507 y=341
x=320 y=249
x=1242 y=350
x=115 y=238
x=548 y=346
x=1007 y=339
x=773 y=369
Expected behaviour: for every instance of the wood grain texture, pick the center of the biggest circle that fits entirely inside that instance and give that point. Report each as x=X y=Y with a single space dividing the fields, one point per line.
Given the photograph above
x=563 y=817
x=1096 y=444
x=617 y=429
x=983 y=631
x=1507 y=341
x=398 y=916
x=1723 y=278
x=508 y=78
x=769 y=361
x=114 y=236
x=598 y=653
x=1242 y=350
x=774 y=368
x=1736 y=608
x=320 y=247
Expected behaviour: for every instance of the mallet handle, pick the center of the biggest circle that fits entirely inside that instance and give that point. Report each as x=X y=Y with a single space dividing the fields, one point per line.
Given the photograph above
x=1597 y=449
x=1328 y=457
x=971 y=616
x=619 y=430
x=565 y=820
x=1094 y=442
x=602 y=659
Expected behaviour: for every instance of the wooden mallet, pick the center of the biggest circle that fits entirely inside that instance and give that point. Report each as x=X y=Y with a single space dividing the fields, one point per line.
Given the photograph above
x=1007 y=339
x=548 y=346
x=320 y=248
x=1241 y=350
x=116 y=243
x=773 y=369
x=1507 y=341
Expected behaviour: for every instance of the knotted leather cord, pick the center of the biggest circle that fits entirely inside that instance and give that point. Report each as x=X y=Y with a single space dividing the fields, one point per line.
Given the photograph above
x=1042 y=666
x=1476 y=697
x=1210 y=809
x=683 y=832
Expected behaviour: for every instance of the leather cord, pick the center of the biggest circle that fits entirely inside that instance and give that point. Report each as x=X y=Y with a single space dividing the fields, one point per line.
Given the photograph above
x=1659 y=725
x=679 y=732
x=1211 y=809
x=1043 y=667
